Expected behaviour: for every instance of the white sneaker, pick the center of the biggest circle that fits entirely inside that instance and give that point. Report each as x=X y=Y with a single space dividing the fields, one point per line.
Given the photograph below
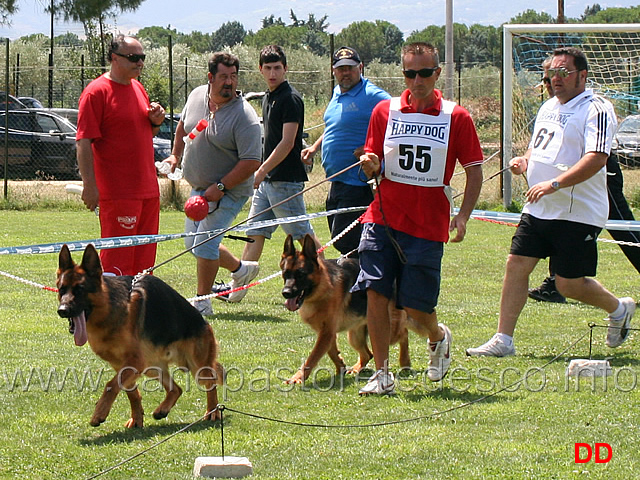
x=440 y=356
x=204 y=306
x=495 y=347
x=380 y=383
x=248 y=271
x=619 y=329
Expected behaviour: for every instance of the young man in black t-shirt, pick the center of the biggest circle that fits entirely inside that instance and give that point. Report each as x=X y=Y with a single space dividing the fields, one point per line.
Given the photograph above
x=282 y=173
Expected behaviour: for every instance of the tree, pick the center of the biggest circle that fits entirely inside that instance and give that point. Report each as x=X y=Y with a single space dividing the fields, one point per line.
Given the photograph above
x=286 y=37
x=229 y=34
x=393 y=39
x=436 y=36
x=90 y=12
x=616 y=15
x=589 y=11
x=531 y=16
x=371 y=40
x=197 y=41
x=483 y=45
x=68 y=39
x=159 y=36
x=7 y=8
x=272 y=21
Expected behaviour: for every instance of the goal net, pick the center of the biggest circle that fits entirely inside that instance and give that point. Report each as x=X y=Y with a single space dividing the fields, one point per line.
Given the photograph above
x=613 y=53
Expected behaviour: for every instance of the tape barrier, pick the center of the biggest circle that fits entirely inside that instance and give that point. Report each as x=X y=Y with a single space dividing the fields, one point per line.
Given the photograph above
x=626 y=225
x=118 y=242
x=130 y=241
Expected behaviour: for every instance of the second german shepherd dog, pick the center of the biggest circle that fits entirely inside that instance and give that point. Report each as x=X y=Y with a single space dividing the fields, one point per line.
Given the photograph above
x=138 y=328
x=319 y=290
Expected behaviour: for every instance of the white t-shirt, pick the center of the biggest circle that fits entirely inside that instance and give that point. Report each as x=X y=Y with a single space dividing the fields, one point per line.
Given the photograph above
x=562 y=135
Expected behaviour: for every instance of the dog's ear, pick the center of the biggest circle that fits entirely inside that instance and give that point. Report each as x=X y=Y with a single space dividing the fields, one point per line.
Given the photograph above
x=65 y=262
x=91 y=262
x=289 y=247
x=309 y=248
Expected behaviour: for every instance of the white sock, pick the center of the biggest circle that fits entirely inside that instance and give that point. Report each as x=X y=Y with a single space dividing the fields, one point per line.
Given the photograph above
x=242 y=269
x=506 y=339
x=618 y=312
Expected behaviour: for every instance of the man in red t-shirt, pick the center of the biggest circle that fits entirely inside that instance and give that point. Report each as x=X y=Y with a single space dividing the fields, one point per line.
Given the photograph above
x=116 y=125
x=414 y=141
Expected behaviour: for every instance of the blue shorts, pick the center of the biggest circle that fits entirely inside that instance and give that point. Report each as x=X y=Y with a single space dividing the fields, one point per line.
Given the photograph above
x=220 y=217
x=417 y=282
x=272 y=193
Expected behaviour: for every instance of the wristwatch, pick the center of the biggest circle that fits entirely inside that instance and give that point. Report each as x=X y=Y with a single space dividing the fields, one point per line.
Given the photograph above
x=221 y=187
x=555 y=185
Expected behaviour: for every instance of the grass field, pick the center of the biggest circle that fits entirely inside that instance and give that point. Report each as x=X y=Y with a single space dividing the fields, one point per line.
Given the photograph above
x=467 y=426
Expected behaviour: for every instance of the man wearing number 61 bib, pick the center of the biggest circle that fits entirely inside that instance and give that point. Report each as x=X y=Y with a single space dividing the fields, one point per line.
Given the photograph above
x=414 y=142
x=567 y=204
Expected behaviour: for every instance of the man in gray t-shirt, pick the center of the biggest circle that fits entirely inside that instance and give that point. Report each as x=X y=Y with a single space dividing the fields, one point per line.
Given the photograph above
x=219 y=164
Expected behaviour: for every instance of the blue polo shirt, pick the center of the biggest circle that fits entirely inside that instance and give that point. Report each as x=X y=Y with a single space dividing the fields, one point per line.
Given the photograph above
x=346 y=122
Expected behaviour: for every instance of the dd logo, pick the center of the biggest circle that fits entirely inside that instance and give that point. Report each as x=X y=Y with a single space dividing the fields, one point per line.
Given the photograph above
x=595 y=452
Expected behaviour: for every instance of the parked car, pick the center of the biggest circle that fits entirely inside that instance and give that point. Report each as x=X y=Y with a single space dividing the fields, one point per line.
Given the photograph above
x=166 y=131
x=31 y=102
x=14 y=103
x=41 y=144
x=626 y=142
x=161 y=149
x=70 y=114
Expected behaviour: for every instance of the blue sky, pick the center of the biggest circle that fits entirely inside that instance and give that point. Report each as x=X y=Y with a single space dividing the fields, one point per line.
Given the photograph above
x=208 y=15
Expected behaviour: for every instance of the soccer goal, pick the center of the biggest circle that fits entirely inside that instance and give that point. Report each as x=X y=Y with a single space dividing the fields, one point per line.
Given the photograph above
x=613 y=53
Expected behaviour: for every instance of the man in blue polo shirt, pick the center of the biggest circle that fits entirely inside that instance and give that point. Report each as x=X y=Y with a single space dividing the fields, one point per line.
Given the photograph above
x=346 y=121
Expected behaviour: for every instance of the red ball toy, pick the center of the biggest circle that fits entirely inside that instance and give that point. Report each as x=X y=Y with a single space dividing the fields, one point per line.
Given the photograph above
x=196 y=208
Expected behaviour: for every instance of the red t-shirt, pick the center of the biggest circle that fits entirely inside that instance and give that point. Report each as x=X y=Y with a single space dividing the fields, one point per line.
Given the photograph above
x=422 y=212
x=115 y=117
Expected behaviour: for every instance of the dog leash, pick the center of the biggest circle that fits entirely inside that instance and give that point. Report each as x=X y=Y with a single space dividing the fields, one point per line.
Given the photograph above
x=246 y=220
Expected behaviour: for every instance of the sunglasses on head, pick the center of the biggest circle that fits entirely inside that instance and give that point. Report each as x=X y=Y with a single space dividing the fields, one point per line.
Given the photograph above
x=132 y=57
x=561 y=72
x=423 y=72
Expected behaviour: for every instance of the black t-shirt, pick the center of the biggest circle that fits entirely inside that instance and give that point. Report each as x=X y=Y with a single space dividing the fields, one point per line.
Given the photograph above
x=283 y=105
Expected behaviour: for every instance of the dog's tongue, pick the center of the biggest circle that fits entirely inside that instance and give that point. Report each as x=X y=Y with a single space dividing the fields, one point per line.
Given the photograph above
x=291 y=304
x=80 y=329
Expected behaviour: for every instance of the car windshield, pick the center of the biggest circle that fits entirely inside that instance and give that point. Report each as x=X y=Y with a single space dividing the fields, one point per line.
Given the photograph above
x=630 y=125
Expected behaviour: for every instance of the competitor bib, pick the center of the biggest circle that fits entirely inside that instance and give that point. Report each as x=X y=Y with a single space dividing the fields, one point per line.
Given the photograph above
x=415 y=145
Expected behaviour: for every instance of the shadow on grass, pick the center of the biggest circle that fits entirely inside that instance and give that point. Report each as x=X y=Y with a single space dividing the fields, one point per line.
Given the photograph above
x=150 y=430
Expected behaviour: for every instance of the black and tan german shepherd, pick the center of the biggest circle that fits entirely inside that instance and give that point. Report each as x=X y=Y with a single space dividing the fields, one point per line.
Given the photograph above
x=319 y=290
x=138 y=329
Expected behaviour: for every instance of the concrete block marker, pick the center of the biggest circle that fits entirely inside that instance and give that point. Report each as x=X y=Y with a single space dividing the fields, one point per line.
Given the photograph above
x=581 y=367
x=222 y=467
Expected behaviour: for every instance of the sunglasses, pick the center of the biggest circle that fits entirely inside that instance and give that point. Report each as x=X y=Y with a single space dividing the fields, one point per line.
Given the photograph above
x=132 y=57
x=423 y=72
x=561 y=72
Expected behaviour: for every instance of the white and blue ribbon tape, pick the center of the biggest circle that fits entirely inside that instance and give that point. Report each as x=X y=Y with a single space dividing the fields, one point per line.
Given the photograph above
x=118 y=242
x=130 y=241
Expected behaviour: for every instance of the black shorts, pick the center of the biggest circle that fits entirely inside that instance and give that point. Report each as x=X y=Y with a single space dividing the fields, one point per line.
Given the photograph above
x=570 y=246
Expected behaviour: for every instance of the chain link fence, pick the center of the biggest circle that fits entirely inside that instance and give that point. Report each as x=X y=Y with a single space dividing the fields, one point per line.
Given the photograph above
x=37 y=144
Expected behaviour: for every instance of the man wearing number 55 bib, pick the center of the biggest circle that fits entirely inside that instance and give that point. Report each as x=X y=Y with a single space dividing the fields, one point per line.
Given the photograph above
x=413 y=142
x=567 y=204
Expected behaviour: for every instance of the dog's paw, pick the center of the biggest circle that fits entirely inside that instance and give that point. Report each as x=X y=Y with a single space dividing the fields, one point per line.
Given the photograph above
x=160 y=414
x=214 y=416
x=295 y=380
x=132 y=423
x=96 y=420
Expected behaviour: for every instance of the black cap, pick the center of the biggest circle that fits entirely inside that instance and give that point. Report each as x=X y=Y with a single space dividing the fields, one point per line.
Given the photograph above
x=345 y=56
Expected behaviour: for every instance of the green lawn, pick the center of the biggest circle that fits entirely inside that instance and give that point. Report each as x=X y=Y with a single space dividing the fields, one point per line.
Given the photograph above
x=526 y=431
